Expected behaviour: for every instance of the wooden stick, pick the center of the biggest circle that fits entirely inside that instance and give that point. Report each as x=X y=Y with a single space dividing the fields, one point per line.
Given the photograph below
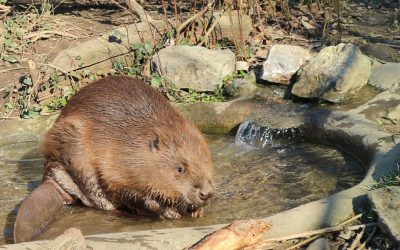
x=350 y=220
x=138 y=10
x=191 y=19
x=210 y=29
x=7 y=70
x=301 y=243
x=320 y=231
x=368 y=239
x=33 y=71
x=357 y=240
x=46 y=33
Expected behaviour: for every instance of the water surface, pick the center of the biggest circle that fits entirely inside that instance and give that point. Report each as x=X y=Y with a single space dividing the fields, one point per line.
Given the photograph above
x=250 y=183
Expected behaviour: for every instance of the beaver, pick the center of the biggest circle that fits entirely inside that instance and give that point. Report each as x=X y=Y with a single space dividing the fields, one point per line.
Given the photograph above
x=119 y=144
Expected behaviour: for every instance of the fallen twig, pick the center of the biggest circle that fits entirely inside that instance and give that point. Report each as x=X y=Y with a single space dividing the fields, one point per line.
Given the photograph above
x=302 y=243
x=192 y=18
x=138 y=10
x=368 y=239
x=47 y=34
x=320 y=231
x=357 y=240
x=7 y=70
x=350 y=220
x=210 y=29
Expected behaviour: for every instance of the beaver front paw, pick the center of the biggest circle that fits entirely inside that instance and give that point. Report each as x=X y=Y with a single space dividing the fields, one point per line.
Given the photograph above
x=170 y=213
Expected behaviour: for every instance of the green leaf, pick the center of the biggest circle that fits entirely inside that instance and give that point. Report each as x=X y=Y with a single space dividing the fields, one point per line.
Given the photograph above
x=63 y=102
x=27 y=81
x=156 y=81
x=9 y=106
x=67 y=92
x=148 y=48
x=9 y=58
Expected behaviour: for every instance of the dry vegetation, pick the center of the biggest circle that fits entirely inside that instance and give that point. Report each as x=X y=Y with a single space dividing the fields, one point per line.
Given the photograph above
x=41 y=88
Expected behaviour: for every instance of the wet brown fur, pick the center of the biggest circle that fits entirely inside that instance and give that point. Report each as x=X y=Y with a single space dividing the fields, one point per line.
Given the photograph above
x=119 y=143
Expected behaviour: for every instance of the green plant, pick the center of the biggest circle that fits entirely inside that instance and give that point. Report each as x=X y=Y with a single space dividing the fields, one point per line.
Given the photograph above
x=392 y=179
x=120 y=69
x=12 y=38
x=235 y=75
x=142 y=52
x=9 y=107
x=156 y=80
x=60 y=102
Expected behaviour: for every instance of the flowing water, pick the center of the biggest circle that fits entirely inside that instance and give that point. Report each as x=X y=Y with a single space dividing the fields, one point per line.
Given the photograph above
x=251 y=182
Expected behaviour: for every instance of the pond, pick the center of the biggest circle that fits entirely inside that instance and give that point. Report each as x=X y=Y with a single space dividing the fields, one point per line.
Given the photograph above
x=251 y=182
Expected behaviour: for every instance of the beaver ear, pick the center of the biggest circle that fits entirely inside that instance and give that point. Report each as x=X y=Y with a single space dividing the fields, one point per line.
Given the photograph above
x=154 y=144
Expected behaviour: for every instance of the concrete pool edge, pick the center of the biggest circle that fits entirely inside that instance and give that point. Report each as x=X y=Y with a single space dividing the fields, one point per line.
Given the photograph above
x=348 y=128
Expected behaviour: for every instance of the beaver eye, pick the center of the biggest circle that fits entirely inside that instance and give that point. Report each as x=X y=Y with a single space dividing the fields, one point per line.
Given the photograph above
x=181 y=170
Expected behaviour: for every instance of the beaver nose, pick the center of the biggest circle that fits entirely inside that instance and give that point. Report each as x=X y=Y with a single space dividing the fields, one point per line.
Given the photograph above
x=204 y=195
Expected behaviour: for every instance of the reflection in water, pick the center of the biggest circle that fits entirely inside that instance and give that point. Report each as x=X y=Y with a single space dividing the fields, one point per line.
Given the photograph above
x=250 y=183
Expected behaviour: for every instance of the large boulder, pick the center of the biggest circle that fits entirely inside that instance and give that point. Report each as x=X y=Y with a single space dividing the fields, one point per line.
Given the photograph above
x=386 y=202
x=385 y=76
x=282 y=62
x=194 y=67
x=335 y=74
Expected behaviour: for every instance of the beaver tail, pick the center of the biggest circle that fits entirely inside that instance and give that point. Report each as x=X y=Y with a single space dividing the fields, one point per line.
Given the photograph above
x=38 y=210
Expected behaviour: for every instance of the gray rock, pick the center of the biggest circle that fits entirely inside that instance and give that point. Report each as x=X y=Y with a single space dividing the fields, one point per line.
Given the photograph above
x=383 y=109
x=217 y=117
x=242 y=87
x=385 y=76
x=386 y=202
x=335 y=74
x=319 y=244
x=194 y=67
x=72 y=238
x=231 y=27
x=283 y=61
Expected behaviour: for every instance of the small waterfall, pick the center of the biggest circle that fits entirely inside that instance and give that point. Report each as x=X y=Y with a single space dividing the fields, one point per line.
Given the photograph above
x=251 y=133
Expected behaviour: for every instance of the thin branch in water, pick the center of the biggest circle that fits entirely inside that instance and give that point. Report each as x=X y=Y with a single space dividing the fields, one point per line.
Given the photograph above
x=363 y=245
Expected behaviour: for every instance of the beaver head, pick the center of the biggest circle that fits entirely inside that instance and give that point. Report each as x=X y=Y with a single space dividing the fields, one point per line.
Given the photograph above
x=184 y=175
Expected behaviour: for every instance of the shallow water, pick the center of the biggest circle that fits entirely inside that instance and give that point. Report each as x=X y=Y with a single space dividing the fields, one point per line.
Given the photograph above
x=250 y=183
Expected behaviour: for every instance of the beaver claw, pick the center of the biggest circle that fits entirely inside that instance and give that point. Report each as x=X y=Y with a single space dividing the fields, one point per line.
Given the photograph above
x=170 y=214
x=198 y=213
